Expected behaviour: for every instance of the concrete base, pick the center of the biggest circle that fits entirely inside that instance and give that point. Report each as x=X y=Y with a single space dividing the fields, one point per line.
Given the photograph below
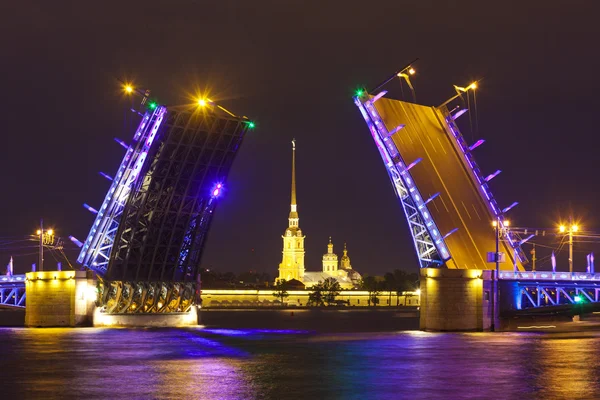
x=456 y=300
x=146 y=320
x=59 y=298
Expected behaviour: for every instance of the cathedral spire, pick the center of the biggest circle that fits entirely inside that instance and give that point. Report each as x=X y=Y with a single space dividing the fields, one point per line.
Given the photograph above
x=293 y=207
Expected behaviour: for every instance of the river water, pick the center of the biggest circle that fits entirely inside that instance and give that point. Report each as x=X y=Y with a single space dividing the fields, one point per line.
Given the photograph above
x=197 y=363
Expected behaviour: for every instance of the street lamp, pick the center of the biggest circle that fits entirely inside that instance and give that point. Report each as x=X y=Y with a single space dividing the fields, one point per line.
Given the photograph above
x=569 y=231
x=499 y=226
x=405 y=74
x=46 y=237
x=459 y=91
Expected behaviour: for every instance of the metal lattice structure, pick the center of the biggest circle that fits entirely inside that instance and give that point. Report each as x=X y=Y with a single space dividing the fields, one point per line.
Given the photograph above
x=12 y=291
x=148 y=236
x=554 y=290
x=427 y=239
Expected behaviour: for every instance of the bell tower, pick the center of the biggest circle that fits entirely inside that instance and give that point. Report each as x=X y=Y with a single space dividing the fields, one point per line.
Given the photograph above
x=330 y=259
x=292 y=263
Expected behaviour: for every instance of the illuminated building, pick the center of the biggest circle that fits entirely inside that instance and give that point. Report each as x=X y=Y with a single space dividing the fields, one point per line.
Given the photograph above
x=292 y=263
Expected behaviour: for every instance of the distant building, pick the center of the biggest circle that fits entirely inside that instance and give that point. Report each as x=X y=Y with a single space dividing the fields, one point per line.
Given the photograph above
x=292 y=263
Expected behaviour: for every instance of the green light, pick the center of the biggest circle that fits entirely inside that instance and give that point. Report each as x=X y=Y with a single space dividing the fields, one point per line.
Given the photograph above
x=251 y=125
x=152 y=105
x=577 y=299
x=359 y=93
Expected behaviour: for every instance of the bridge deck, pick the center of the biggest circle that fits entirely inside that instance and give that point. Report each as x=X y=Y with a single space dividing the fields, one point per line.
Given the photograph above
x=443 y=169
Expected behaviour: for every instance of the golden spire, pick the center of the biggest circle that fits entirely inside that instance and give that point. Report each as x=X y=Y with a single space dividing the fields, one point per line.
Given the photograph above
x=293 y=172
x=293 y=211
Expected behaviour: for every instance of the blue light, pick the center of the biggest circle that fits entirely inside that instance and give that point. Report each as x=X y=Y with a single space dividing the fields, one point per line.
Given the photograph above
x=216 y=191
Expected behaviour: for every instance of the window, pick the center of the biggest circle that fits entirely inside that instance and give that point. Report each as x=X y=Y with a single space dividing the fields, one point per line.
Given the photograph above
x=358 y=301
x=486 y=295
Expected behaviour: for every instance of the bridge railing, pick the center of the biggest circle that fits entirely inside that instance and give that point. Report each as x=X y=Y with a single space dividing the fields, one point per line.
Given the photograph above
x=549 y=275
x=12 y=278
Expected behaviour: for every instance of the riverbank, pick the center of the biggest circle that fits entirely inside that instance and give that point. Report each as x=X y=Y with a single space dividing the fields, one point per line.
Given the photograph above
x=342 y=319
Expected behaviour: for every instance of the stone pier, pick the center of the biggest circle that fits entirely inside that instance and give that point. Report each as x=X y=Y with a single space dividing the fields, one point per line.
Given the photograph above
x=456 y=300
x=59 y=298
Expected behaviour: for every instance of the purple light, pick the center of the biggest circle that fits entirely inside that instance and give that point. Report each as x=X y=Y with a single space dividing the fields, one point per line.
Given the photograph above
x=90 y=208
x=217 y=190
x=476 y=144
x=122 y=143
x=459 y=113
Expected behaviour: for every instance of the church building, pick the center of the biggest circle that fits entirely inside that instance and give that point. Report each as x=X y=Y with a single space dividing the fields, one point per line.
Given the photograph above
x=292 y=263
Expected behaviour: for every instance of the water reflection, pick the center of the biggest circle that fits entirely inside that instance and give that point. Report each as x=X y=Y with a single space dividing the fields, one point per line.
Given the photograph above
x=240 y=364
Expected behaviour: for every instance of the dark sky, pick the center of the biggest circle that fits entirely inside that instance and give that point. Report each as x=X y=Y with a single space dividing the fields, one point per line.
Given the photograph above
x=293 y=66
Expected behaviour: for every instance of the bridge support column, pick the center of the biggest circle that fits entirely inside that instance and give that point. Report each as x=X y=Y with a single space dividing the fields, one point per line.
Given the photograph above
x=59 y=298
x=456 y=299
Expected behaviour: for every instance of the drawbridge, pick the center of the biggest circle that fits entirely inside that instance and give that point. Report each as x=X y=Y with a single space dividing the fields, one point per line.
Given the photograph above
x=148 y=236
x=445 y=196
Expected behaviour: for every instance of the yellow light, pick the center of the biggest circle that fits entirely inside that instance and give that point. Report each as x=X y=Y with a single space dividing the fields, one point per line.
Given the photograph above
x=574 y=228
x=506 y=223
x=201 y=102
x=50 y=232
x=39 y=232
x=562 y=228
x=159 y=304
x=418 y=292
x=495 y=224
x=473 y=85
x=412 y=71
x=128 y=88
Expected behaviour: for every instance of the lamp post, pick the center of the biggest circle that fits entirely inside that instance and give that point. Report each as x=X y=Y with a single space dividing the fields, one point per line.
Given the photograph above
x=45 y=236
x=572 y=229
x=498 y=226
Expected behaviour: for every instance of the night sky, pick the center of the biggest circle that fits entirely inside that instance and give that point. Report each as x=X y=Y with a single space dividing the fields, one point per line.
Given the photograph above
x=293 y=66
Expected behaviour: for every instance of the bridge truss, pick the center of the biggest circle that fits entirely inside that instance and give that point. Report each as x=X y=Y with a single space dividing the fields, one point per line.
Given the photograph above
x=12 y=291
x=147 y=239
x=545 y=289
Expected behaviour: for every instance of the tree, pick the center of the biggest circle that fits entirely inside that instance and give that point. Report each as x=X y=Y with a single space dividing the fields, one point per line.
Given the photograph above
x=331 y=289
x=369 y=283
x=315 y=297
x=390 y=286
x=404 y=282
x=279 y=290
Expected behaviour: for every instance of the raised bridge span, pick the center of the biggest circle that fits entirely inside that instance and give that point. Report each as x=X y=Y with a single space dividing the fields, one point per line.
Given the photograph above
x=446 y=198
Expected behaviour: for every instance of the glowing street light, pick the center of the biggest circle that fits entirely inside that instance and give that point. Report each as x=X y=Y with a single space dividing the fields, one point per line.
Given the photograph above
x=459 y=91
x=46 y=236
x=405 y=74
x=569 y=231
x=128 y=88
x=202 y=102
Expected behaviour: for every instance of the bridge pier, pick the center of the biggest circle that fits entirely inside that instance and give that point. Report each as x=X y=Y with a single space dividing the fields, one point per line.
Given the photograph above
x=59 y=298
x=456 y=300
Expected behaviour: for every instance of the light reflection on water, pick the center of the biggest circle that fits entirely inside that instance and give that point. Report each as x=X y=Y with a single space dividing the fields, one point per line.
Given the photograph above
x=247 y=364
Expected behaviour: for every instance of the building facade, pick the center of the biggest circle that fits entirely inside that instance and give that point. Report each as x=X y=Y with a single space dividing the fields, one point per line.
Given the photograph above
x=292 y=262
